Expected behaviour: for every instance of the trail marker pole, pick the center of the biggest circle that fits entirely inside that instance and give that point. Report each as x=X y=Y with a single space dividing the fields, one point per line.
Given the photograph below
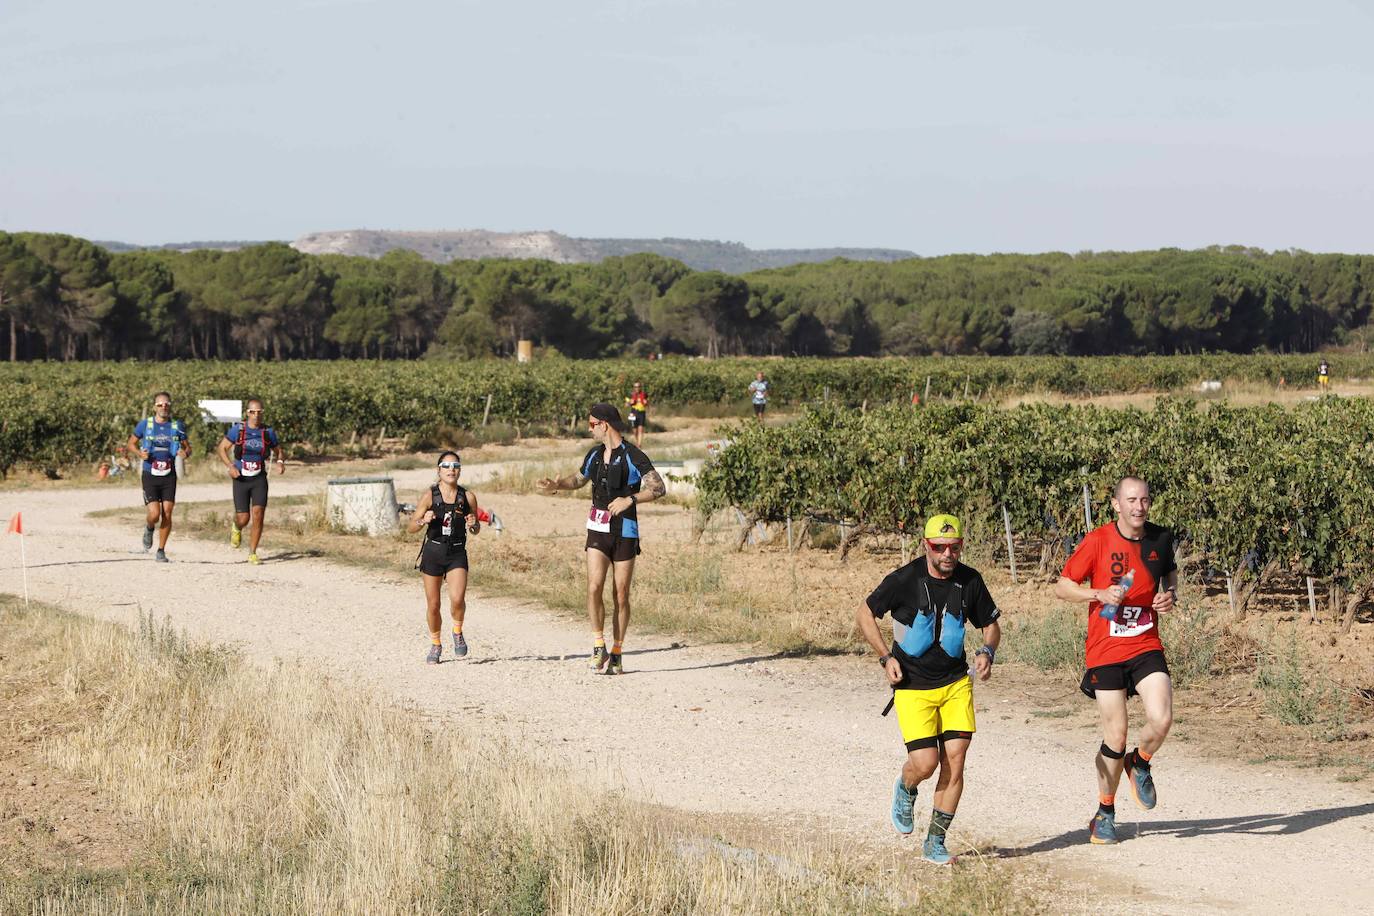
x=927 y=394
x=17 y=527
x=1311 y=599
x=1011 y=549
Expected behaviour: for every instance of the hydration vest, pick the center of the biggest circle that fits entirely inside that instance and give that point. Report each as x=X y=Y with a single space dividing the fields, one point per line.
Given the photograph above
x=148 y=435
x=243 y=441
x=932 y=624
x=457 y=536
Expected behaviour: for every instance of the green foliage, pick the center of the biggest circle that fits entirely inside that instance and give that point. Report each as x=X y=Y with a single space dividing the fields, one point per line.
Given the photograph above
x=1242 y=487
x=268 y=299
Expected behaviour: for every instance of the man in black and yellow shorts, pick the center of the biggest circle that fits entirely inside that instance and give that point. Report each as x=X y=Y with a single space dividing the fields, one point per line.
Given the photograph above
x=932 y=599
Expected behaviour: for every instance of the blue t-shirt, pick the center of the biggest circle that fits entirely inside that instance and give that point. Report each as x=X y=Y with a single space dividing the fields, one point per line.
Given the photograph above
x=162 y=442
x=257 y=447
x=759 y=390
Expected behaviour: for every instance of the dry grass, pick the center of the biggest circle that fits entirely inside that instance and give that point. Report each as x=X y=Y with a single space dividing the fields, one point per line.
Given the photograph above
x=280 y=792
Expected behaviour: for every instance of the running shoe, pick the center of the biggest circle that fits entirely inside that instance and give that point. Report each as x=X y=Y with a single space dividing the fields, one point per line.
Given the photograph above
x=614 y=666
x=1142 y=783
x=902 y=804
x=433 y=657
x=935 y=852
x=460 y=645
x=599 y=658
x=235 y=536
x=147 y=538
x=1102 y=829
x=161 y=555
x=253 y=558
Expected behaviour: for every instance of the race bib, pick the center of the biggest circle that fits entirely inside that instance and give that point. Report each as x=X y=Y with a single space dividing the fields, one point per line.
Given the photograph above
x=599 y=520
x=160 y=467
x=1132 y=621
x=447 y=528
x=251 y=468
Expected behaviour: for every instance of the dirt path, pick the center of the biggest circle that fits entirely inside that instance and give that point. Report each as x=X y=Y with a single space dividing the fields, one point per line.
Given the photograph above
x=722 y=729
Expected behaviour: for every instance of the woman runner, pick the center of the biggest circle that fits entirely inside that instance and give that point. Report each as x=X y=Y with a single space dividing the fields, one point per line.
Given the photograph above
x=445 y=507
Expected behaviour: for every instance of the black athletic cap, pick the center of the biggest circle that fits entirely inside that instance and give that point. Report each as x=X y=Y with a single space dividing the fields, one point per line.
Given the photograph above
x=608 y=414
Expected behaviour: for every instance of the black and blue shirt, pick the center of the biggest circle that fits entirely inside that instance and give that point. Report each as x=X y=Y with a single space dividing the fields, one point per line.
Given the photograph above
x=621 y=476
x=928 y=620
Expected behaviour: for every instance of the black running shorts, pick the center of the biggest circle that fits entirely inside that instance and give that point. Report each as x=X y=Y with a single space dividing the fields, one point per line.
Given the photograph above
x=159 y=489
x=250 y=491
x=617 y=548
x=436 y=559
x=637 y=418
x=1123 y=675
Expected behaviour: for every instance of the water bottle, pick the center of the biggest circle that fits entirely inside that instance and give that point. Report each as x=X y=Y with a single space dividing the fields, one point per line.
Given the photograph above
x=1108 y=611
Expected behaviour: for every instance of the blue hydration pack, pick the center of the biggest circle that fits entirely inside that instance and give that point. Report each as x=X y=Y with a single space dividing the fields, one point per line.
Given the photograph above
x=932 y=624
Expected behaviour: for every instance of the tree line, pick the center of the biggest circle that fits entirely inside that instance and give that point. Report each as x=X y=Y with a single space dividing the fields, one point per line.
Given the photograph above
x=67 y=298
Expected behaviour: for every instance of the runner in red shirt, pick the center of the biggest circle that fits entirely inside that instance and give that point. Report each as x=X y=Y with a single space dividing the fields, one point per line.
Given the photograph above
x=1124 y=654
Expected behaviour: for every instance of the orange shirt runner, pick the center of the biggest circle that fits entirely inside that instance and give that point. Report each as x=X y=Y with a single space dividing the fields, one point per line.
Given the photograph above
x=1103 y=558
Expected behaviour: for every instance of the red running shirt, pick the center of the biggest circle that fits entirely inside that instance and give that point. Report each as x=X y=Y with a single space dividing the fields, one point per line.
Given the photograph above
x=1102 y=559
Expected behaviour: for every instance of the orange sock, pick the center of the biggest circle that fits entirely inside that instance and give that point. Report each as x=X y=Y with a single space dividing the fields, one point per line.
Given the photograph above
x=1107 y=800
x=436 y=638
x=457 y=629
x=615 y=649
x=1142 y=755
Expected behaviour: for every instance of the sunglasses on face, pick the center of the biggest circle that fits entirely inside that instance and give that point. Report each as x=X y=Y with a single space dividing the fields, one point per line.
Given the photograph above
x=450 y=465
x=944 y=548
x=595 y=423
x=251 y=411
x=161 y=406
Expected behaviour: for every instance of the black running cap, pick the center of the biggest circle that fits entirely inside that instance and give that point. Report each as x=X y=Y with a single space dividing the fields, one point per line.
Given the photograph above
x=608 y=414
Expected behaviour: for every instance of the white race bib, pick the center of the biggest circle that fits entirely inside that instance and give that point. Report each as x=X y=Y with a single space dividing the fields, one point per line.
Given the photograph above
x=160 y=467
x=250 y=468
x=1132 y=621
x=599 y=520
x=447 y=528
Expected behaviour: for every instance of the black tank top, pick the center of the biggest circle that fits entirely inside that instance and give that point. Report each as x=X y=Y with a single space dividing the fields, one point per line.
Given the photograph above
x=449 y=525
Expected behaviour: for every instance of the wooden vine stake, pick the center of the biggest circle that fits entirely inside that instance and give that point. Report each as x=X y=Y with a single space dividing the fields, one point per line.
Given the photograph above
x=1311 y=599
x=486 y=412
x=1087 y=508
x=1011 y=548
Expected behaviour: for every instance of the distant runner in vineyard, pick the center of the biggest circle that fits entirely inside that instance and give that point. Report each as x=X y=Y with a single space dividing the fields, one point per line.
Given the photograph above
x=637 y=412
x=1324 y=376
x=622 y=478
x=931 y=600
x=448 y=513
x=1129 y=567
x=758 y=393
x=159 y=440
x=246 y=451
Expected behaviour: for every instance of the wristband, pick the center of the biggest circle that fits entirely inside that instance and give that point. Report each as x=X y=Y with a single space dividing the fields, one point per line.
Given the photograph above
x=883 y=660
x=989 y=651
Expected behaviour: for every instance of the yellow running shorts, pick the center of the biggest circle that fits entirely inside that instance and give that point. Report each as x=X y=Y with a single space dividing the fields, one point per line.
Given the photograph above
x=926 y=716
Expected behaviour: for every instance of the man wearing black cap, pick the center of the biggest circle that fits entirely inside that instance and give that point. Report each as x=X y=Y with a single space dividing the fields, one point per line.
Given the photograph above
x=622 y=477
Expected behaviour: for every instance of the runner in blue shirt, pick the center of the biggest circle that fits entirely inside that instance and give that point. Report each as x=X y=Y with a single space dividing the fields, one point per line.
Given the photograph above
x=159 y=440
x=246 y=451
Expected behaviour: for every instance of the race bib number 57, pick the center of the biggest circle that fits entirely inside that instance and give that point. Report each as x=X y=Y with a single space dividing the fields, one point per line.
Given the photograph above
x=599 y=520
x=1132 y=621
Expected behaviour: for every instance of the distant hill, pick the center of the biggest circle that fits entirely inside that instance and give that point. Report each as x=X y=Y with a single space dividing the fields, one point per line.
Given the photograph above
x=729 y=257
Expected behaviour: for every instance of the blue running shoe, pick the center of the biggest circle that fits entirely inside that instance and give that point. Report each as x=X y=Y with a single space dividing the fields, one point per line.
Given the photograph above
x=161 y=556
x=147 y=538
x=1102 y=829
x=460 y=645
x=902 y=804
x=1142 y=783
x=935 y=852
x=434 y=652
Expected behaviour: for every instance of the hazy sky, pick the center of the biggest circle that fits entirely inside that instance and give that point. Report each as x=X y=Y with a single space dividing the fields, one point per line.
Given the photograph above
x=997 y=126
